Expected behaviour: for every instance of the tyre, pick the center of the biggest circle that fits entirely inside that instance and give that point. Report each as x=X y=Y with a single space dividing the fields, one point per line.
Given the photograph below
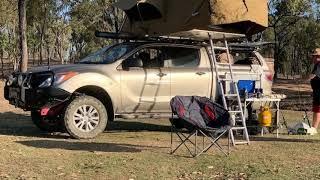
x=85 y=117
x=48 y=124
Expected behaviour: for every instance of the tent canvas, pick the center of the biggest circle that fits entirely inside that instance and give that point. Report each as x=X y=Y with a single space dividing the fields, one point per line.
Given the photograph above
x=167 y=17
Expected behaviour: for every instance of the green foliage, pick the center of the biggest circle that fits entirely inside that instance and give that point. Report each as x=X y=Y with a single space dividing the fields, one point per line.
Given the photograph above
x=87 y=17
x=62 y=30
x=295 y=29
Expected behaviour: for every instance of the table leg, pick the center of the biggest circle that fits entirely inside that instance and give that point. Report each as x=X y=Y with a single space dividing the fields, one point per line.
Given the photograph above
x=277 y=118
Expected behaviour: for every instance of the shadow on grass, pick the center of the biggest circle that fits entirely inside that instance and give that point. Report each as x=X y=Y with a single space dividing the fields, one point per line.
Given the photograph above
x=293 y=140
x=82 y=146
x=135 y=126
x=15 y=124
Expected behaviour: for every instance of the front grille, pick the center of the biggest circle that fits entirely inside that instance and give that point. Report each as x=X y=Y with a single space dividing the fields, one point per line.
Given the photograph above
x=32 y=80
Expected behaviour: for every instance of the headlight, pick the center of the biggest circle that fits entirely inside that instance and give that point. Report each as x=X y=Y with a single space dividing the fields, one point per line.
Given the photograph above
x=62 y=77
x=46 y=83
x=20 y=80
x=11 y=79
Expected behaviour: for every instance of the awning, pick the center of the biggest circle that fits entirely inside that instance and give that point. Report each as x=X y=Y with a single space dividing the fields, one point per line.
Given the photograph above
x=164 y=17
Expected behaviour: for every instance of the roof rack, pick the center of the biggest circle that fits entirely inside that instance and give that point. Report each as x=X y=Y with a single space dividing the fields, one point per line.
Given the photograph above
x=249 y=45
x=185 y=37
x=131 y=37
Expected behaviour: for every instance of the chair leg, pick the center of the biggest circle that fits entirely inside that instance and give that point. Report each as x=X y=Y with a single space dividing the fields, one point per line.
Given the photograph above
x=229 y=142
x=195 y=142
x=171 y=141
x=183 y=143
x=202 y=142
x=198 y=151
x=214 y=142
x=232 y=137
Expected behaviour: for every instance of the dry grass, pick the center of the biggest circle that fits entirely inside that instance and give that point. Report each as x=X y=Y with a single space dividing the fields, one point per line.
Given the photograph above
x=139 y=150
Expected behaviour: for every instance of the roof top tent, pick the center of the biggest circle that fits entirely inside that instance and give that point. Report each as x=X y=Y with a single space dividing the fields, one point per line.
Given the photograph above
x=193 y=18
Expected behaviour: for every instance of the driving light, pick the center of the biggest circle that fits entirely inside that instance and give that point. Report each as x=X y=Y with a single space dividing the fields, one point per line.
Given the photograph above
x=62 y=77
x=11 y=79
x=46 y=83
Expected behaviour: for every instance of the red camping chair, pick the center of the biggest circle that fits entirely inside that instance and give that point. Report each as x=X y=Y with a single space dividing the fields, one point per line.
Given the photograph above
x=194 y=116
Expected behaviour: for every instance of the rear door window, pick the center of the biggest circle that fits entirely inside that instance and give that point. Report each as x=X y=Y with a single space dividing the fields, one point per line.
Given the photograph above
x=245 y=58
x=151 y=57
x=178 y=57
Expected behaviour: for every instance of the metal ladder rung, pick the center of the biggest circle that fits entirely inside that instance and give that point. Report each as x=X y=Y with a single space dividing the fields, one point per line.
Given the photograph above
x=220 y=48
x=241 y=142
x=226 y=79
x=231 y=95
x=223 y=64
x=238 y=128
x=235 y=112
x=238 y=120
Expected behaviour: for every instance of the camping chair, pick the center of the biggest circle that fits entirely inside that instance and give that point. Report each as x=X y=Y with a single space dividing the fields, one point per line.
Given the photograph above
x=198 y=116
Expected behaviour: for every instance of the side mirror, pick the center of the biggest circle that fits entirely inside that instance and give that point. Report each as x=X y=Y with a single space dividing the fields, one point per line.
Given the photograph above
x=125 y=65
x=131 y=62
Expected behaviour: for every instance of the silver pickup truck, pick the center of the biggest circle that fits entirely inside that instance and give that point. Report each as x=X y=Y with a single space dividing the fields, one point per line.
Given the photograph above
x=130 y=79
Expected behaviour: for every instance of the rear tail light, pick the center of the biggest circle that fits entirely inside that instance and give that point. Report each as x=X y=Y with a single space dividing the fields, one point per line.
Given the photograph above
x=269 y=77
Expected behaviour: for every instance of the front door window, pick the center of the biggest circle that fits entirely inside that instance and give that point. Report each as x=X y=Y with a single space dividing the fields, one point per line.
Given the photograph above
x=146 y=87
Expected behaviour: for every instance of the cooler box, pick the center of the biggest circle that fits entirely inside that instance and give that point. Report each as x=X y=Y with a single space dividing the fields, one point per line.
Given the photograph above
x=246 y=85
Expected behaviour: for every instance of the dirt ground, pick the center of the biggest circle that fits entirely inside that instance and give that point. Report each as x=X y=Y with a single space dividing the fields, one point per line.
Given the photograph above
x=298 y=94
x=139 y=149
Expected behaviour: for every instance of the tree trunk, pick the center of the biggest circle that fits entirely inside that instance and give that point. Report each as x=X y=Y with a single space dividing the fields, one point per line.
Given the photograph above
x=48 y=55
x=2 y=65
x=276 y=54
x=23 y=38
x=41 y=49
x=34 y=55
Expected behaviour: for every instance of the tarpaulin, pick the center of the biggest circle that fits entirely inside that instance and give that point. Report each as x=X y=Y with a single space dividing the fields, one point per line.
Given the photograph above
x=165 y=17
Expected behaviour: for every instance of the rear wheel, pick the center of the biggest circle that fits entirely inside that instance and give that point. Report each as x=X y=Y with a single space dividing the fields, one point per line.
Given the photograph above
x=48 y=124
x=85 y=117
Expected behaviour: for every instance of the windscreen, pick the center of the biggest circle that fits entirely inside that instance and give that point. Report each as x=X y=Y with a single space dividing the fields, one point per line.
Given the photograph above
x=108 y=54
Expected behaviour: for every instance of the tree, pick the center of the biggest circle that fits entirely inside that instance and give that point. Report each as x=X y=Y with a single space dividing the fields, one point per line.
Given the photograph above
x=87 y=16
x=286 y=19
x=23 y=38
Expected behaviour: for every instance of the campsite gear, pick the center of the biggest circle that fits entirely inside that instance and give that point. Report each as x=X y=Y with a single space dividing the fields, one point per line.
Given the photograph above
x=300 y=128
x=238 y=112
x=265 y=116
x=200 y=116
x=165 y=17
x=247 y=85
x=252 y=122
x=258 y=92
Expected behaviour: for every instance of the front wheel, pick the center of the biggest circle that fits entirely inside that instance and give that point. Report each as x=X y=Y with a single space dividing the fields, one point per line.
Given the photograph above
x=85 y=117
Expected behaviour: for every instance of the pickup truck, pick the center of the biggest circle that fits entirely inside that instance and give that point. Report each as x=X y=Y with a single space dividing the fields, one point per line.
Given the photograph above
x=129 y=79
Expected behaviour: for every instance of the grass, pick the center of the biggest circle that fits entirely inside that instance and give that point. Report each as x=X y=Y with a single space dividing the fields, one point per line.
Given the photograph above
x=139 y=149
x=135 y=154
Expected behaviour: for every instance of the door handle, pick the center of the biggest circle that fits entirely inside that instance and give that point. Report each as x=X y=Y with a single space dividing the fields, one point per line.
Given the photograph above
x=200 y=73
x=161 y=74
